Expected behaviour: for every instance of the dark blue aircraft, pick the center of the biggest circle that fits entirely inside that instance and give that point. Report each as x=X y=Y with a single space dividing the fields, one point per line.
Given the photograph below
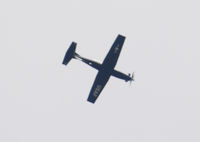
x=105 y=70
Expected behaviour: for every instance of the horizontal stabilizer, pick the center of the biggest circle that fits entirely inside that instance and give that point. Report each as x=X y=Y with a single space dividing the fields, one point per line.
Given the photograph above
x=70 y=53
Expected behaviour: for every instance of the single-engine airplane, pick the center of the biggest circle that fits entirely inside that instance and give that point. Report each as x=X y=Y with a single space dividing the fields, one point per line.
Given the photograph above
x=105 y=70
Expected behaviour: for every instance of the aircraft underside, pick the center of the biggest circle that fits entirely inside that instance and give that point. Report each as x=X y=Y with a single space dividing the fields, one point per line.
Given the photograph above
x=105 y=70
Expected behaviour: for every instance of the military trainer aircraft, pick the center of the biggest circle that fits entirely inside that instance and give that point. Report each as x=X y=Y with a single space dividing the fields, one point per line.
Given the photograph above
x=105 y=70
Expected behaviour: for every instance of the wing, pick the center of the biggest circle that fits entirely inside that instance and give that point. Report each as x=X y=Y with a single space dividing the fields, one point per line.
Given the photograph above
x=113 y=55
x=98 y=85
x=106 y=69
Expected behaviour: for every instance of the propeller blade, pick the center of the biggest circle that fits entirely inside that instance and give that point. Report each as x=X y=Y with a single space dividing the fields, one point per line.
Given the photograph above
x=132 y=78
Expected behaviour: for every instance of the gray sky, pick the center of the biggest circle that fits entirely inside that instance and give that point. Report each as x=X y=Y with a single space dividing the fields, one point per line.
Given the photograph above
x=42 y=100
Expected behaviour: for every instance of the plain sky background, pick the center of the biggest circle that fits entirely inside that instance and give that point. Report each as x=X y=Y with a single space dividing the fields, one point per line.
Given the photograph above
x=43 y=101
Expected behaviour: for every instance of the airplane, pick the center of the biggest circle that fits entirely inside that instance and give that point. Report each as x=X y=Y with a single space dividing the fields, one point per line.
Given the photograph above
x=105 y=70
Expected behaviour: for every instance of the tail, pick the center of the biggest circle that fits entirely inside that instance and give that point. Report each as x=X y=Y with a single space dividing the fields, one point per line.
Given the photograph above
x=70 y=53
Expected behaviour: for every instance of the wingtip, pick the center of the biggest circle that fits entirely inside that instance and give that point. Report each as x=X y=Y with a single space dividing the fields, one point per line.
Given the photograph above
x=91 y=100
x=119 y=35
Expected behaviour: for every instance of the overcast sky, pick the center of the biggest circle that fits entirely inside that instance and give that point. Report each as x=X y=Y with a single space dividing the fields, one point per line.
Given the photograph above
x=43 y=101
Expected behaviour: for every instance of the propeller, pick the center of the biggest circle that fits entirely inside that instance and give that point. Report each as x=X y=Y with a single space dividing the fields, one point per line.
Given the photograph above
x=132 y=77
